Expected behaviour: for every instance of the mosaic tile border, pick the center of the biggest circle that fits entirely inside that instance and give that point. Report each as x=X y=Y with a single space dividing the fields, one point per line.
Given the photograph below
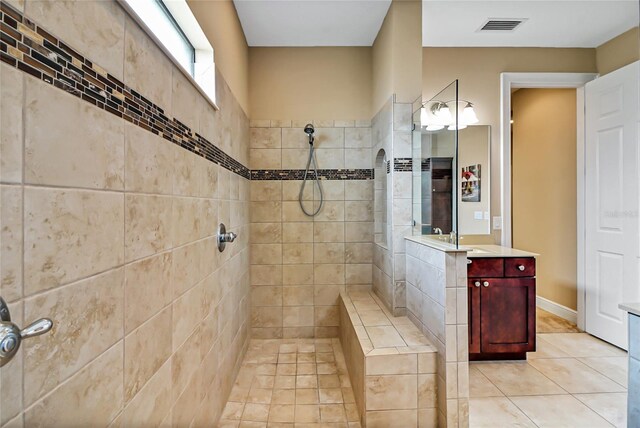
x=402 y=164
x=28 y=47
x=323 y=174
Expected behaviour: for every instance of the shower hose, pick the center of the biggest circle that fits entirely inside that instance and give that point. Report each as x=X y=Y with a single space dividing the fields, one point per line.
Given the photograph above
x=312 y=159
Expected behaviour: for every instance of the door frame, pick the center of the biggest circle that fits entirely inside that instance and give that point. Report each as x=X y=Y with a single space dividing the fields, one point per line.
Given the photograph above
x=546 y=80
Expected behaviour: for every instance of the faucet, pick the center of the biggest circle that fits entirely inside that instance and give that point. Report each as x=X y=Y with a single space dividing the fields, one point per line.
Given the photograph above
x=437 y=231
x=453 y=237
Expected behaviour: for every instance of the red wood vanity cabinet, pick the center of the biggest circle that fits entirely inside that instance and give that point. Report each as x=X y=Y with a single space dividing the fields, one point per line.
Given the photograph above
x=502 y=307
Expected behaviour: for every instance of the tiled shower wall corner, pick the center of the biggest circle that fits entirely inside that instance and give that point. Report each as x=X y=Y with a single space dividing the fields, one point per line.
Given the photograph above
x=300 y=264
x=391 y=132
x=109 y=230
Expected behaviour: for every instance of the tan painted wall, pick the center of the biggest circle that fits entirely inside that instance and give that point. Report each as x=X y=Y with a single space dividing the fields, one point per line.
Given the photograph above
x=544 y=187
x=478 y=70
x=221 y=25
x=619 y=51
x=321 y=83
x=397 y=56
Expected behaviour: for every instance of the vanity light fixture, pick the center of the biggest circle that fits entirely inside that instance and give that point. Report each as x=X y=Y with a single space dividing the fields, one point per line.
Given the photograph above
x=438 y=115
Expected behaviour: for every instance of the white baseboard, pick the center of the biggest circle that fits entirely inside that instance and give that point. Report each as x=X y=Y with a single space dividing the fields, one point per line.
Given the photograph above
x=557 y=309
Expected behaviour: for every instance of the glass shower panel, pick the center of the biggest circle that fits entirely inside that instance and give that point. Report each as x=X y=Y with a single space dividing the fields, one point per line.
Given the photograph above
x=435 y=162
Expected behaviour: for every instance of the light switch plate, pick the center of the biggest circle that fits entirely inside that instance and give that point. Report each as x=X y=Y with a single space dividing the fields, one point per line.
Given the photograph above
x=497 y=223
x=477 y=215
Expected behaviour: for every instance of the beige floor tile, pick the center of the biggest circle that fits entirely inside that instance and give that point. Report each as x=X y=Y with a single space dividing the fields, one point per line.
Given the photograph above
x=582 y=345
x=385 y=336
x=282 y=413
x=330 y=396
x=611 y=406
x=306 y=381
x=285 y=382
x=559 y=411
x=262 y=381
x=255 y=412
x=480 y=386
x=307 y=358
x=328 y=381
x=614 y=368
x=518 y=378
x=494 y=412
x=283 y=396
x=575 y=377
x=306 y=369
x=325 y=357
x=545 y=349
x=259 y=395
x=332 y=413
x=252 y=424
x=232 y=411
x=307 y=413
x=286 y=369
x=226 y=423
x=286 y=358
x=352 y=412
x=239 y=394
x=306 y=396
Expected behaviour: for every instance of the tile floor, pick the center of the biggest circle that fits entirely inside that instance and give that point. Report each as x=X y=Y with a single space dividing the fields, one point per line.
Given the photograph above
x=292 y=383
x=546 y=322
x=572 y=380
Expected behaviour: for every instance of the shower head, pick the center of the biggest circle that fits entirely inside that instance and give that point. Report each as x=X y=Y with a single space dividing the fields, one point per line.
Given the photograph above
x=309 y=130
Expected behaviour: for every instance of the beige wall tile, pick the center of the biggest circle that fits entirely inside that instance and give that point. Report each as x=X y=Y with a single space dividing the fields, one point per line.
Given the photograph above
x=359 y=211
x=328 y=231
x=267 y=190
x=329 y=138
x=153 y=403
x=70 y=234
x=327 y=316
x=391 y=364
x=295 y=138
x=185 y=362
x=266 y=296
x=391 y=392
x=147 y=289
x=265 y=138
x=188 y=174
x=330 y=158
x=208 y=178
x=291 y=190
x=146 y=68
x=96 y=29
x=359 y=273
x=11 y=129
x=93 y=305
x=148 y=162
x=11 y=245
x=265 y=159
x=358 y=190
x=328 y=253
x=298 y=295
x=357 y=158
x=359 y=232
x=183 y=98
x=267 y=274
x=187 y=313
x=329 y=274
x=291 y=211
x=297 y=275
x=149 y=224
x=266 y=317
x=297 y=316
x=64 y=151
x=358 y=252
x=266 y=212
x=186 y=267
x=382 y=419
x=266 y=254
x=331 y=211
x=357 y=138
x=295 y=158
x=332 y=190
x=326 y=295
x=297 y=232
x=293 y=254
x=92 y=396
x=266 y=233
x=146 y=349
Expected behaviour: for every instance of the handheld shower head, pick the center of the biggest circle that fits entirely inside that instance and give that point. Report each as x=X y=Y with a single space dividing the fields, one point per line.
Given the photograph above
x=309 y=130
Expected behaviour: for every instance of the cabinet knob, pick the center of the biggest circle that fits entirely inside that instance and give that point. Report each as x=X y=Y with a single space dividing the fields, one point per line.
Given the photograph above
x=469 y=262
x=521 y=268
x=477 y=284
x=486 y=283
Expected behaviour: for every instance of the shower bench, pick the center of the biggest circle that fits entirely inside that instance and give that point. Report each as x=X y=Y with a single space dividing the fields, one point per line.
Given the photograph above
x=391 y=364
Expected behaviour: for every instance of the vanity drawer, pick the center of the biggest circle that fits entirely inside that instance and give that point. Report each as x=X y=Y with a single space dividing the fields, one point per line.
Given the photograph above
x=485 y=267
x=516 y=266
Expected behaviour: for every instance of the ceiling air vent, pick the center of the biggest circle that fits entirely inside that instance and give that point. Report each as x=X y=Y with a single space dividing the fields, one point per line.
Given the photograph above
x=503 y=24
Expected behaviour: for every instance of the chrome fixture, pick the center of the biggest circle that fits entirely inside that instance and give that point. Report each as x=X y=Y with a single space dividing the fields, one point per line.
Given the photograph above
x=437 y=231
x=11 y=335
x=309 y=130
x=453 y=237
x=224 y=237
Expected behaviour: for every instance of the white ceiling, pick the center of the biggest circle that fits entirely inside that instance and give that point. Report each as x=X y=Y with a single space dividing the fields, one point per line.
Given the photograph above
x=562 y=23
x=311 y=22
x=584 y=24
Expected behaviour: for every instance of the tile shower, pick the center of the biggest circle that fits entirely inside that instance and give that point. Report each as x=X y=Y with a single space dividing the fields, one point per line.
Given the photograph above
x=113 y=233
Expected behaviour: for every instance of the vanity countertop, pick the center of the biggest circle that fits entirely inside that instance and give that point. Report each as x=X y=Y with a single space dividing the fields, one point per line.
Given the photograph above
x=484 y=251
x=632 y=308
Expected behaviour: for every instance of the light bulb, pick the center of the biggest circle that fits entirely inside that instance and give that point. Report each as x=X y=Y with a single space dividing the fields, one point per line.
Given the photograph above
x=443 y=113
x=424 y=117
x=469 y=115
x=434 y=127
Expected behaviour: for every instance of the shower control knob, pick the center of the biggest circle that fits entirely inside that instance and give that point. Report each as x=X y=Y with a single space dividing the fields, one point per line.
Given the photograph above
x=224 y=237
x=11 y=336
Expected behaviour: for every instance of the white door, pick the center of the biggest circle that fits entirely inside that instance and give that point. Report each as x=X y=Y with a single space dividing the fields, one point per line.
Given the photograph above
x=612 y=187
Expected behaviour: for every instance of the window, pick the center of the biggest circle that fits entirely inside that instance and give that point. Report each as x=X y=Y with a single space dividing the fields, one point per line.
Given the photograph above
x=174 y=28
